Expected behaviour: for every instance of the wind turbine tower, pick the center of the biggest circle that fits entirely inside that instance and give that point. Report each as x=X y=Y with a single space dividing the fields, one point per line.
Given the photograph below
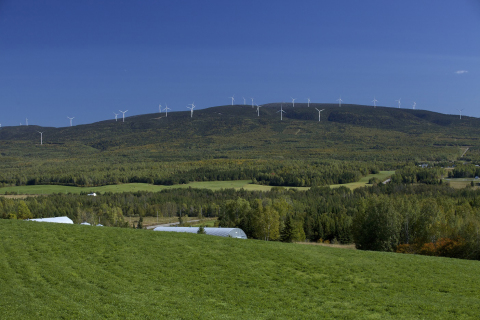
x=460 y=111
x=293 y=102
x=70 y=120
x=116 y=114
x=340 y=101
x=26 y=121
x=233 y=99
x=414 y=104
x=191 y=110
x=281 y=112
x=258 y=110
x=123 y=114
x=374 y=102
x=166 y=110
x=41 y=137
x=399 y=103
x=319 y=111
x=244 y=102
x=252 y=102
x=159 y=108
x=308 y=103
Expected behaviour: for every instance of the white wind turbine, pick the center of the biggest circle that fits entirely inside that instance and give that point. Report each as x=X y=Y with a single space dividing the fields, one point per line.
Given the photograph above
x=252 y=102
x=340 y=101
x=159 y=108
x=191 y=110
x=233 y=99
x=116 y=114
x=281 y=112
x=374 y=102
x=460 y=111
x=414 y=104
x=26 y=121
x=319 y=111
x=123 y=119
x=244 y=102
x=399 y=102
x=308 y=103
x=41 y=137
x=71 y=120
x=293 y=102
x=166 y=110
x=258 y=110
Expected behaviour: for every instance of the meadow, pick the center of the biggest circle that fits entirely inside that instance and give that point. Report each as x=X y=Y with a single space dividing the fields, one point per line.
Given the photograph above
x=83 y=272
x=211 y=185
x=460 y=183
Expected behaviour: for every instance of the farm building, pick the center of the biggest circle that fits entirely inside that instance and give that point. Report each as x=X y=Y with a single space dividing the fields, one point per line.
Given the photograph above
x=220 y=232
x=54 y=219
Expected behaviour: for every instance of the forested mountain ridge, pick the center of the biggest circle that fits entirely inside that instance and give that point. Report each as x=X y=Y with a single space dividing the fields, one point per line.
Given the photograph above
x=212 y=142
x=229 y=121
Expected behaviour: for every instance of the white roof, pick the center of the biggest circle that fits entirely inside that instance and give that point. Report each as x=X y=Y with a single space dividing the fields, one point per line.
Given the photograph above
x=86 y=224
x=54 y=219
x=221 y=232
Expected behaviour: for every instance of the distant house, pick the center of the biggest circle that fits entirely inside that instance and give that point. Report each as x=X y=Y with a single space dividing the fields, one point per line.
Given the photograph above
x=85 y=223
x=92 y=194
x=54 y=220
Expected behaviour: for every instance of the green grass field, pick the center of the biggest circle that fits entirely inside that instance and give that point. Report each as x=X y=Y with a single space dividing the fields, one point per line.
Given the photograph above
x=128 y=187
x=52 y=271
x=212 y=185
x=382 y=176
x=460 y=183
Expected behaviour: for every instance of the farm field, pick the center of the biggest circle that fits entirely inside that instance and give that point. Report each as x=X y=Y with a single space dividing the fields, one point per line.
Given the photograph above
x=212 y=185
x=460 y=183
x=73 y=271
x=152 y=221
x=382 y=176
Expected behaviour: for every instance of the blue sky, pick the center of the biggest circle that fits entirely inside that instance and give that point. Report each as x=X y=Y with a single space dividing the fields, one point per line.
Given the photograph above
x=88 y=59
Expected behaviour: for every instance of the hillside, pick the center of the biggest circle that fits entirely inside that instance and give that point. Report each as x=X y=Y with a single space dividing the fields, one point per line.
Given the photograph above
x=219 y=136
x=73 y=271
x=237 y=128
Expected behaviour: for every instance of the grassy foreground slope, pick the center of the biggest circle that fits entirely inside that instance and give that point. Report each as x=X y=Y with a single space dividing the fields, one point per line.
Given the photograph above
x=72 y=271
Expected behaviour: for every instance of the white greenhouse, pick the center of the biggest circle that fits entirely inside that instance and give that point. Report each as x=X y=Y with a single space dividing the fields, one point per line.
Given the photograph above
x=220 y=232
x=54 y=219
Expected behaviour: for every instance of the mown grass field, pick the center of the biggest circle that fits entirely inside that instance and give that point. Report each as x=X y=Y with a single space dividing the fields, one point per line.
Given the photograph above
x=382 y=176
x=212 y=185
x=72 y=271
x=460 y=183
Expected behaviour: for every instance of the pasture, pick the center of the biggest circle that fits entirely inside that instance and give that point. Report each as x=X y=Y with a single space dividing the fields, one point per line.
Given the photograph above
x=84 y=272
x=212 y=185
x=460 y=183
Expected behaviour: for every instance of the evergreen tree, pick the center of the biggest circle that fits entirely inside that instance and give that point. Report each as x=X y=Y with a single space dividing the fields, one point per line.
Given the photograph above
x=201 y=230
x=140 y=223
x=287 y=232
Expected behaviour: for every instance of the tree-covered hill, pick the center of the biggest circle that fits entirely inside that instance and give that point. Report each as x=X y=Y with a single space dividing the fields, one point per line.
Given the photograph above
x=215 y=138
x=230 y=121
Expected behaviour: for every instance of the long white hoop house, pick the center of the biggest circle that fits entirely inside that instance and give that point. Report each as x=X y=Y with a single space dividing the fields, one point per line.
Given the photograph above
x=220 y=232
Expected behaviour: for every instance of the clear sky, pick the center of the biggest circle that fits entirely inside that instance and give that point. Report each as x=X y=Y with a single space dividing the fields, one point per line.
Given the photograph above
x=87 y=59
